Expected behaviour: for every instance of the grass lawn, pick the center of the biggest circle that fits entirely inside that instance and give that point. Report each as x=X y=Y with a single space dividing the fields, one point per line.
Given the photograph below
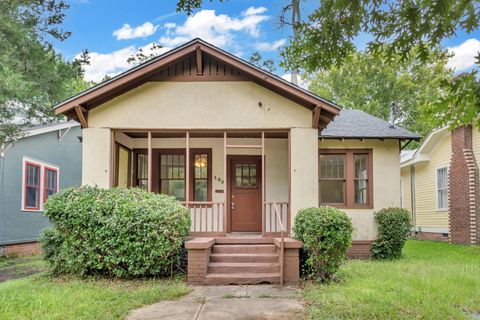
x=431 y=281
x=42 y=297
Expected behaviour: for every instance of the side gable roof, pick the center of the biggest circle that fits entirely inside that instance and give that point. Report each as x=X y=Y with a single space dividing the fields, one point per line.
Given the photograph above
x=324 y=110
x=422 y=154
x=356 y=124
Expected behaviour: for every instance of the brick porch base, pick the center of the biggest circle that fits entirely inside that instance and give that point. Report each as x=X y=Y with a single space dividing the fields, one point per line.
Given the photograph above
x=20 y=249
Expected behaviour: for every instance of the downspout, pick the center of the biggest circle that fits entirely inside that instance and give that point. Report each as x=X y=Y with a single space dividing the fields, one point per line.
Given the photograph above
x=412 y=195
x=3 y=217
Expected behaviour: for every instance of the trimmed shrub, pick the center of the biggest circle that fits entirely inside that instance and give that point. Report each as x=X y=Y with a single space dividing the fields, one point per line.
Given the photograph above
x=114 y=232
x=394 y=227
x=326 y=233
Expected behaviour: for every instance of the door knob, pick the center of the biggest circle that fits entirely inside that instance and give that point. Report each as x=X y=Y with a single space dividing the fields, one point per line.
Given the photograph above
x=232 y=205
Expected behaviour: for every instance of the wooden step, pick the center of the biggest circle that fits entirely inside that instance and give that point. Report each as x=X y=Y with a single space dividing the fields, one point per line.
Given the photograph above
x=243 y=268
x=243 y=257
x=244 y=248
x=243 y=240
x=241 y=278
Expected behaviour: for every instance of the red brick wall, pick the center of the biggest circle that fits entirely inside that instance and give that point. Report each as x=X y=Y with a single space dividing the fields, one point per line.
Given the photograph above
x=20 y=249
x=460 y=196
x=434 y=236
x=360 y=250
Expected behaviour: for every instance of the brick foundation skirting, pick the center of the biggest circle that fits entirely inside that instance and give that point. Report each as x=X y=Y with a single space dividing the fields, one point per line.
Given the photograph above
x=433 y=236
x=20 y=249
x=360 y=249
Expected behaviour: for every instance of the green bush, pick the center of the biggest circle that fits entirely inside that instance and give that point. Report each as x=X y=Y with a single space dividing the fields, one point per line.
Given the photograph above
x=326 y=233
x=114 y=232
x=394 y=227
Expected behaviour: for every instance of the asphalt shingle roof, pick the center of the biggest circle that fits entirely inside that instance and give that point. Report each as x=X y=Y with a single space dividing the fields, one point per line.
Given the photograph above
x=358 y=124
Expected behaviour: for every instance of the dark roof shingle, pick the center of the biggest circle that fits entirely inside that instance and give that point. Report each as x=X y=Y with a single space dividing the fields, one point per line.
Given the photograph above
x=358 y=124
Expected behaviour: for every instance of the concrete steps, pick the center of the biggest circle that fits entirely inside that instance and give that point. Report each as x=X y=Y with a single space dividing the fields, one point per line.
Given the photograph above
x=244 y=248
x=243 y=260
x=241 y=278
x=243 y=257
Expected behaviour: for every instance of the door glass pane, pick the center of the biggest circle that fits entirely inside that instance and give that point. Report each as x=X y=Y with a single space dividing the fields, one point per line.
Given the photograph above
x=246 y=175
x=332 y=191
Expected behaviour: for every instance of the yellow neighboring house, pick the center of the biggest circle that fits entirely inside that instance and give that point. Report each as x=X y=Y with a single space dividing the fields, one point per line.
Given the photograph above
x=440 y=185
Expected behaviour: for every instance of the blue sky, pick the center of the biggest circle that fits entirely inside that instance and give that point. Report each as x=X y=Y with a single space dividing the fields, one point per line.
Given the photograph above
x=114 y=30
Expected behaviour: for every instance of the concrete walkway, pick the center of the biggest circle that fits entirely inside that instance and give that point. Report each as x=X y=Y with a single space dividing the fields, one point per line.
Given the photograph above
x=258 y=302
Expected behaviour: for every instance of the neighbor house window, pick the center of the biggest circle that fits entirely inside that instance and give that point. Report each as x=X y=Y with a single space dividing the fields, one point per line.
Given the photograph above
x=50 y=182
x=40 y=180
x=442 y=188
x=345 y=178
x=32 y=186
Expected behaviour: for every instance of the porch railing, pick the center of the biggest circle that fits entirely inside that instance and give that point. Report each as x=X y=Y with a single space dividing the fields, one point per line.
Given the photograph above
x=276 y=222
x=206 y=217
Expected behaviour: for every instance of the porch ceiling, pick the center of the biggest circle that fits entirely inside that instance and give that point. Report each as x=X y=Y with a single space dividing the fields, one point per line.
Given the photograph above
x=207 y=134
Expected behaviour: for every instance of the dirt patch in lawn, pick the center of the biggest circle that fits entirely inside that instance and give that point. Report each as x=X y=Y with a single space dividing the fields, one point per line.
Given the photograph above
x=19 y=267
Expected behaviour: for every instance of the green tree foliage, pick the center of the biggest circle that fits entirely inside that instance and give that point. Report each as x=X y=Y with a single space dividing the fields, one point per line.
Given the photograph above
x=34 y=77
x=257 y=60
x=376 y=84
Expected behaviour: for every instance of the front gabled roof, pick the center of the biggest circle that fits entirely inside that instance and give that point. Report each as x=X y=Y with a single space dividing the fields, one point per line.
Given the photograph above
x=144 y=72
x=356 y=124
x=46 y=128
x=422 y=154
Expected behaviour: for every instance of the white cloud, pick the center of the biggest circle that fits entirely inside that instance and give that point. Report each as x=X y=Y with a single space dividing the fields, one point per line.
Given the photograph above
x=127 y=32
x=113 y=63
x=302 y=83
x=220 y=30
x=464 y=54
x=253 y=11
x=270 y=46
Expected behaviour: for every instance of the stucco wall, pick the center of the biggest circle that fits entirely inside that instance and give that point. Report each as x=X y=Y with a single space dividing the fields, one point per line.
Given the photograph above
x=200 y=105
x=17 y=226
x=96 y=157
x=304 y=169
x=386 y=181
x=427 y=214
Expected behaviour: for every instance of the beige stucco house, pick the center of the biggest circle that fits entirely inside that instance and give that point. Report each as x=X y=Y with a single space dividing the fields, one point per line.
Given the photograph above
x=440 y=185
x=243 y=149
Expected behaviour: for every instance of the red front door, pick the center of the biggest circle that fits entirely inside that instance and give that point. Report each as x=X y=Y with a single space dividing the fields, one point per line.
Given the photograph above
x=246 y=193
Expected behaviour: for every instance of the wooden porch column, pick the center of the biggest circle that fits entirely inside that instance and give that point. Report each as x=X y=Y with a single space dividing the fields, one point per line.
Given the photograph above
x=225 y=209
x=187 y=167
x=289 y=183
x=149 y=163
x=263 y=183
x=113 y=159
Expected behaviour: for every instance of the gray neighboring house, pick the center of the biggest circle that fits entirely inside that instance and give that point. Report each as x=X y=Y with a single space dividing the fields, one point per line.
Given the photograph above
x=45 y=160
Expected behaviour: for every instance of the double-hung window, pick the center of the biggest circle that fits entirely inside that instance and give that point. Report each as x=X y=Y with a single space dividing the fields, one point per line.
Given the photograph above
x=442 y=188
x=345 y=178
x=40 y=181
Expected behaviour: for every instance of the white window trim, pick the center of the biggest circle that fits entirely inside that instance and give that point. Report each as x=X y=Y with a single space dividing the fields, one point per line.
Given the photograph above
x=436 y=187
x=42 y=165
